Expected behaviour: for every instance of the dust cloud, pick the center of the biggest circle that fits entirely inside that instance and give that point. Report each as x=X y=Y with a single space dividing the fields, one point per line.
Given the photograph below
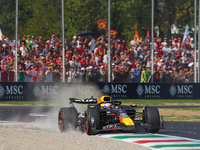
x=49 y=118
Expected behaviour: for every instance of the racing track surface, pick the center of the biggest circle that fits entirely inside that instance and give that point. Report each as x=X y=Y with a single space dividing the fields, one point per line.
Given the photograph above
x=48 y=115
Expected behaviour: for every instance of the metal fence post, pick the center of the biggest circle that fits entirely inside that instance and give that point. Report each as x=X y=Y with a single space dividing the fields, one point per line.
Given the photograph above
x=152 y=35
x=16 y=33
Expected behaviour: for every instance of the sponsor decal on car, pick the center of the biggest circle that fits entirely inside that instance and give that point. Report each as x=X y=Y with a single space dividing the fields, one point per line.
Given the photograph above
x=92 y=120
x=110 y=126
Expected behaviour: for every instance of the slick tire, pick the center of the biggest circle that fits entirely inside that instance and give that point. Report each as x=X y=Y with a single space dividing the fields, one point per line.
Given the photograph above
x=67 y=118
x=92 y=119
x=152 y=118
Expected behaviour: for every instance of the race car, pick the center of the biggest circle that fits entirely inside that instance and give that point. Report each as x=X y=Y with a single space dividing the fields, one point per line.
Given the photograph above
x=106 y=115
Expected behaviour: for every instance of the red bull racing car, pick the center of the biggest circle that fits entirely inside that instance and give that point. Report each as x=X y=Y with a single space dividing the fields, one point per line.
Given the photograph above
x=105 y=114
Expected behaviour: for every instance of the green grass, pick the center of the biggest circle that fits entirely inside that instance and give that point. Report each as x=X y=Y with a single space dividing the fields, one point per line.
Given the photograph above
x=124 y=101
x=173 y=117
x=192 y=109
x=159 y=101
x=26 y=102
x=183 y=116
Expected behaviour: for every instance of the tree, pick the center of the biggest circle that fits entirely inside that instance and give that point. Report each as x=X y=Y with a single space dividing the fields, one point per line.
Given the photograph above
x=43 y=17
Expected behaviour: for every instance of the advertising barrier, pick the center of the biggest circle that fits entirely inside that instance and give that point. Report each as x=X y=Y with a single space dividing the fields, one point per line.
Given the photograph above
x=33 y=91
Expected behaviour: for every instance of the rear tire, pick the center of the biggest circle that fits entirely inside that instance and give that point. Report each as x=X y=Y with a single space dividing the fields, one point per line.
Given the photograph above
x=67 y=118
x=152 y=118
x=92 y=118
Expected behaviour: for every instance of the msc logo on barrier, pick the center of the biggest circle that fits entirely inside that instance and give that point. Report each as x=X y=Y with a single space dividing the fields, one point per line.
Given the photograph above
x=84 y=89
x=149 y=91
x=12 y=91
x=117 y=90
x=2 y=91
x=181 y=91
x=172 y=90
x=45 y=90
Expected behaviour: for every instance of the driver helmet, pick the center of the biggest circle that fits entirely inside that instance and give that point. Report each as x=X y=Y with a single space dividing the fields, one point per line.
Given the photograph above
x=107 y=106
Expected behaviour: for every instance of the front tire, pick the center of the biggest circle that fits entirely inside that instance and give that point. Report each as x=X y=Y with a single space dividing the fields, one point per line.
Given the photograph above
x=91 y=121
x=67 y=118
x=152 y=118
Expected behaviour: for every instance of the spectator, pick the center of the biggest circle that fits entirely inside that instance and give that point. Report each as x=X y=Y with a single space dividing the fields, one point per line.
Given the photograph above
x=85 y=41
x=144 y=75
x=40 y=43
x=78 y=76
x=75 y=53
x=11 y=74
x=4 y=74
x=137 y=74
x=23 y=40
x=21 y=74
x=18 y=51
x=92 y=46
x=83 y=74
x=190 y=75
x=28 y=42
x=74 y=42
x=173 y=59
x=48 y=75
x=11 y=42
x=102 y=74
x=23 y=49
x=91 y=74
x=123 y=73
x=13 y=50
x=4 y=56
x=28 y=75
x=79 y=42
x=116 y=73
x=57 y=75
x=70 y=74
x=96 y=77
x=7 y=39
x=134 y=42
x=41 y=75
x=53 y=40
x=35 y=74
x=72 y=62
x=33 y=42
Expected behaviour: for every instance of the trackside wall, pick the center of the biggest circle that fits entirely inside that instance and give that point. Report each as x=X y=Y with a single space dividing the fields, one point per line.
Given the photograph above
x=31 y=91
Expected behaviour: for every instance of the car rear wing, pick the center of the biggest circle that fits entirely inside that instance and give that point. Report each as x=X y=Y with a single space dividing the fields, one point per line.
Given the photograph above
x=83 y=101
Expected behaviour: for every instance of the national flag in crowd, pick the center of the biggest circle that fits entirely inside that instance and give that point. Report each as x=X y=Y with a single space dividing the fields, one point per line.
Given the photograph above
x=185 y=34
x=136 y=33
x=112 y=32
x=102 y=25
x=148 y=34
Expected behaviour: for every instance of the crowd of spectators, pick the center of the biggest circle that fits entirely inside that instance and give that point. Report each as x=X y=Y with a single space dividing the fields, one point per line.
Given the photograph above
x=86 y=59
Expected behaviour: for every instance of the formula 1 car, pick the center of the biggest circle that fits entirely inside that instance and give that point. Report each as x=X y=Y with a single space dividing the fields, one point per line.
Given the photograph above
x=105 y=115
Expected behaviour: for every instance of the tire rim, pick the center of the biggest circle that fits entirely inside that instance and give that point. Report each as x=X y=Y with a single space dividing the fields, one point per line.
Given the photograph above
x=60 y=121
x=86 y=123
